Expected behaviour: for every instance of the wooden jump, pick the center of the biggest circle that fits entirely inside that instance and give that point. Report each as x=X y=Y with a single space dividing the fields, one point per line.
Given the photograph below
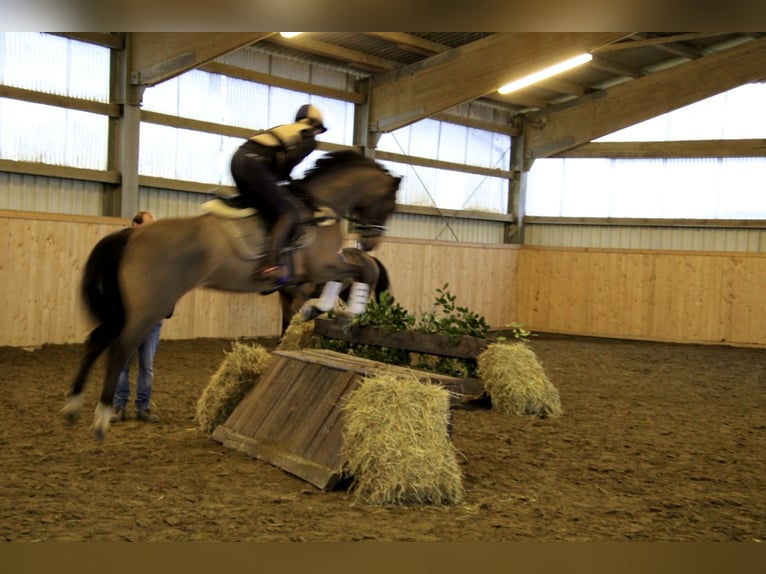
x=462 y=347
x=292 y=418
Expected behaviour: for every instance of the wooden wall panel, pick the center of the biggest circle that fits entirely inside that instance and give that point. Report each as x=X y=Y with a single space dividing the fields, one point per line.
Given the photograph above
x=41 y=261
x=692 y=297
x=482 y=277
x=744 y=299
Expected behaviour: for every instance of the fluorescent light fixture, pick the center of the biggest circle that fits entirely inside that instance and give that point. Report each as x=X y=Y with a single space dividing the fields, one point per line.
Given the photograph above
x=545 y=74
x=289 y=34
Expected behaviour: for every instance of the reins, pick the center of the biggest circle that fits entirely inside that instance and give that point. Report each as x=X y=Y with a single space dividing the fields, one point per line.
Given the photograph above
x=366 y=227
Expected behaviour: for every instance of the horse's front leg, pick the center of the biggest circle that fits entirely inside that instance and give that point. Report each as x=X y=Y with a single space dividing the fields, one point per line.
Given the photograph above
x=316 y=306
x=339 y=271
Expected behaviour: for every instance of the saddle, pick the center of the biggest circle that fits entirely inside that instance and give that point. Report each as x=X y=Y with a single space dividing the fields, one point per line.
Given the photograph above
x=248 y=232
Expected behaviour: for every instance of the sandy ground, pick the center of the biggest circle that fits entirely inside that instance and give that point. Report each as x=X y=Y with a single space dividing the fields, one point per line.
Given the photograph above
x=657 y=442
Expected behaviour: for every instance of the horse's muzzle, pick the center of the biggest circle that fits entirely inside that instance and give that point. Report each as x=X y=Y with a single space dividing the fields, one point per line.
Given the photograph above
x=368 y=243
x=369 y=235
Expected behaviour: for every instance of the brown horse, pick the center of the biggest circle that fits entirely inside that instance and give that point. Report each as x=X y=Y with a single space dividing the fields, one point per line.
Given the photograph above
x=134 y=277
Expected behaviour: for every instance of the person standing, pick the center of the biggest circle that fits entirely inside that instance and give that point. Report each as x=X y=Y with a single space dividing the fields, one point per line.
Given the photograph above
x=146 y=352
x=259 y=165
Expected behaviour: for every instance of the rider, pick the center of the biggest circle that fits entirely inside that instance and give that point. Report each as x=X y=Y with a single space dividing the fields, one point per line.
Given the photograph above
x=266 y=159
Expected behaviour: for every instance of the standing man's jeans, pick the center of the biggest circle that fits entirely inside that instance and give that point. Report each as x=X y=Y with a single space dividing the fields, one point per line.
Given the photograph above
x=146 y=352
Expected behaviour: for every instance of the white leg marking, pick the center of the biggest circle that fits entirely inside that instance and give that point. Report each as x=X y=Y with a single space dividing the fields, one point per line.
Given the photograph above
x=71 y=410
x=101 y=419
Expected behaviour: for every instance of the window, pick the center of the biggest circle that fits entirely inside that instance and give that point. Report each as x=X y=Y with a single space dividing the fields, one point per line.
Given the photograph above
x=195 y=156
x=450 y=189
x=54 y=65
x=694 y=188
x=50 y=134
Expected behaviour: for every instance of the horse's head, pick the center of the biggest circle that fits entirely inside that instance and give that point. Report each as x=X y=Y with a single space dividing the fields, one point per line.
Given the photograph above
x=369 y=217
x=356 y=187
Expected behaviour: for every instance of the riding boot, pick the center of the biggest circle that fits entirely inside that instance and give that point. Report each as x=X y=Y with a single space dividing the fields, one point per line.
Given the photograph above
x=281 y=231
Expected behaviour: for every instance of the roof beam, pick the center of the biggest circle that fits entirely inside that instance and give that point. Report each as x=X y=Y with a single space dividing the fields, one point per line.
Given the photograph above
x=158 y=56
x=563 y=87
x=354 y=57
x=411 y=43
x=554 y=131
x=409 y=94
x=643 y=42
x=669 y=149
x=615 y=68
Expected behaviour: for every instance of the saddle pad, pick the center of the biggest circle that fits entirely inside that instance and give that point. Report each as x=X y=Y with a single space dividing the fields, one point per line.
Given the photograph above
x=221 y=209
x=247 y=236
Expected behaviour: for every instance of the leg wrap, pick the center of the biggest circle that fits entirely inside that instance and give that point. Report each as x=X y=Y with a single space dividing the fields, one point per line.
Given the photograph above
x=330 y=292
x=357 y=299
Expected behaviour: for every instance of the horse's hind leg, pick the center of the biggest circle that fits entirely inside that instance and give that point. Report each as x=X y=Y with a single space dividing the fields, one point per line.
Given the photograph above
x=134 y=331
x=116 y=358
x=98 y=340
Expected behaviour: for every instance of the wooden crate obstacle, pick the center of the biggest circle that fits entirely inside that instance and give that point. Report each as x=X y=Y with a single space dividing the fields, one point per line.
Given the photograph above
x=292 y=418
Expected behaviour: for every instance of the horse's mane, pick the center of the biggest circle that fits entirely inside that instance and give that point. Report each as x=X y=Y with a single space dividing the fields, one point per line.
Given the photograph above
x=337 y=159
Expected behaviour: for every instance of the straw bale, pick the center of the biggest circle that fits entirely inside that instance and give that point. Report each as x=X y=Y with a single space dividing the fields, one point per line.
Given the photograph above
x=396 y=442
x=234 y=378
x=516 y=381
x=299 y=335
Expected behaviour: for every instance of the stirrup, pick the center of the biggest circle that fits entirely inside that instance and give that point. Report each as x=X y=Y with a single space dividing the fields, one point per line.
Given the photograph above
x=275 y=276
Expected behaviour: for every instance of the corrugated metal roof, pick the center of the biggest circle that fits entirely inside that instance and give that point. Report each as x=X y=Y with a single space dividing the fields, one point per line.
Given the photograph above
x=638 y=54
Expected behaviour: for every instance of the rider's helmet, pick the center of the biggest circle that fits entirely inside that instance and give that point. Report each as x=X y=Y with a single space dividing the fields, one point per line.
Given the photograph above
x=313 y=115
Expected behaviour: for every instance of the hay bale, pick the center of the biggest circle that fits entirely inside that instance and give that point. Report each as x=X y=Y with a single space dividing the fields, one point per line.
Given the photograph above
x=516 y=382
x=299 y=335
x=237 y=374
x=396 y=442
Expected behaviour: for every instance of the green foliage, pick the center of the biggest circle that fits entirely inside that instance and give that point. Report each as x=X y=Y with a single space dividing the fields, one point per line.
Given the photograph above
x=519 y=332
x=386 y=314
x=447 y=318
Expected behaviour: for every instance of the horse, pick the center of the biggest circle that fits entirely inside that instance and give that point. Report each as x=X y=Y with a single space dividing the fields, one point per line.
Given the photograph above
x=133 y=278
x=293 y=298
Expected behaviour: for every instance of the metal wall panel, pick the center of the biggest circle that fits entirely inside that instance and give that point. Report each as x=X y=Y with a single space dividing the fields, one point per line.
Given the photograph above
x=635 y=237
x=445 y=229
x=50 y=195
x=165 y=203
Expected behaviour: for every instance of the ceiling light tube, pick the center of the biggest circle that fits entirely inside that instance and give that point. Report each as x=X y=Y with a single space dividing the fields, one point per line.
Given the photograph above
x=289 y=34
x=545 y=73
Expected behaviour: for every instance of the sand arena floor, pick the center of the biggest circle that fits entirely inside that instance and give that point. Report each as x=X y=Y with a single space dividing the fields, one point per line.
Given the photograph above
x=657 y=442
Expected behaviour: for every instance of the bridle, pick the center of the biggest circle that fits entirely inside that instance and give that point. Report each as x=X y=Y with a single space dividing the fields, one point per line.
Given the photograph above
x=367 y=230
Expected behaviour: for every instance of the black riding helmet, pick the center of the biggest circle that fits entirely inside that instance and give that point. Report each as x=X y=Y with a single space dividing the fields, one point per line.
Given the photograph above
x=313 y=115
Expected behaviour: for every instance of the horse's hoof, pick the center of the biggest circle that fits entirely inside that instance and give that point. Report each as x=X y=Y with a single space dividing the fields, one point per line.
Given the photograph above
x=71 y=410
x=101 y=419
x=309 y=312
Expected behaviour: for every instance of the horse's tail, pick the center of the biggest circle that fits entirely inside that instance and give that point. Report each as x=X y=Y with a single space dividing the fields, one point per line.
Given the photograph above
x=383 y=282
x=100 y=289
